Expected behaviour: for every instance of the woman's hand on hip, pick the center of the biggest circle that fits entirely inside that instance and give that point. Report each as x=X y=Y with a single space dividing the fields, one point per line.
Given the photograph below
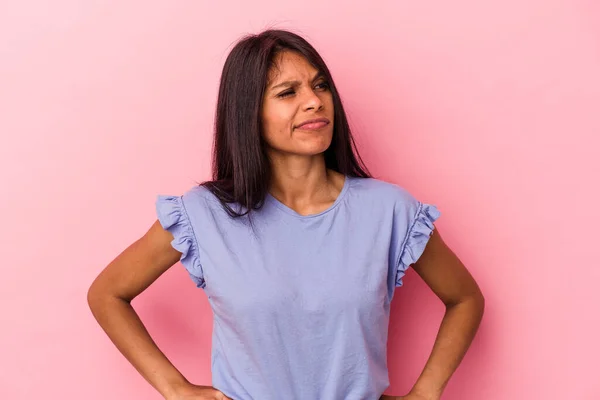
x=195 y=392
x=409 y=396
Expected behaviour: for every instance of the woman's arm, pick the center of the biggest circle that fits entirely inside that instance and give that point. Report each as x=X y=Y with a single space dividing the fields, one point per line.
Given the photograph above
x=110 y=296
x=449 y=279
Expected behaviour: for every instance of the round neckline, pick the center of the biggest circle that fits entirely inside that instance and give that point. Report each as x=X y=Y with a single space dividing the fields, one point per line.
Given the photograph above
x=290 y=211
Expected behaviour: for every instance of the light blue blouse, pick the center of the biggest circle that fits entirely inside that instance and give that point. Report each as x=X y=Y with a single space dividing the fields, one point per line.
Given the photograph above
x=300 y=303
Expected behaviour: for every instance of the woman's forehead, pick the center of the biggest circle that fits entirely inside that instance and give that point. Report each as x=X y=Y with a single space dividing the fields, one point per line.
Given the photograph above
x=290 y=65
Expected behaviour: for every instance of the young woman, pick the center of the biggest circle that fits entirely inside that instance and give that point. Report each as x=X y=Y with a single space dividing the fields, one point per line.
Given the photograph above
x=297 y=247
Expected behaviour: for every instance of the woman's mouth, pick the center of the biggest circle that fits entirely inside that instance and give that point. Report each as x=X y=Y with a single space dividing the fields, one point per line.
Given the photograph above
x=313 y=125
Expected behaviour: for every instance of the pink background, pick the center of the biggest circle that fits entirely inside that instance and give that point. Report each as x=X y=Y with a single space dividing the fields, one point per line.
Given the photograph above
x=490 y=110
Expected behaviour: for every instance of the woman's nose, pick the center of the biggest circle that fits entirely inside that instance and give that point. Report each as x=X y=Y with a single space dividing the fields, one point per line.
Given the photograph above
x=312 y=101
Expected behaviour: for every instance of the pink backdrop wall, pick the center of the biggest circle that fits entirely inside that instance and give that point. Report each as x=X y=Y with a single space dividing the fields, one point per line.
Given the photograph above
x=489 y=110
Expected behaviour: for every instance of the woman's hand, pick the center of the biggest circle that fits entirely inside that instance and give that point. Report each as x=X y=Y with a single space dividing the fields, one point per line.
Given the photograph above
x=409 y=396
x=194 y=392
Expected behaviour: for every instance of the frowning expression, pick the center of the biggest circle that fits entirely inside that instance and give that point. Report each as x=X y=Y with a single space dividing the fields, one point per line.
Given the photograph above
x=296 y=94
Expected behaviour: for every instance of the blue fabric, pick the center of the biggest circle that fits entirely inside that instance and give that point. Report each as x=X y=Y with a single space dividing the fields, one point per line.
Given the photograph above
x=301 y=303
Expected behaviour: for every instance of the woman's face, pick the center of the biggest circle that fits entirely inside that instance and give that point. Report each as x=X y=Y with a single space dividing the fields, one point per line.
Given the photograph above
x=295 y=94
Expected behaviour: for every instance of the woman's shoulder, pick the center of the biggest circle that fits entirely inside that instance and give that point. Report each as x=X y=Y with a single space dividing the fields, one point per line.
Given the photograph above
x=200 y=197
x=388 y=192
x=197 y=192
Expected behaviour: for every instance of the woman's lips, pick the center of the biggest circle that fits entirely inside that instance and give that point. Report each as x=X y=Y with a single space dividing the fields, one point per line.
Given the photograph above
x=313 y=126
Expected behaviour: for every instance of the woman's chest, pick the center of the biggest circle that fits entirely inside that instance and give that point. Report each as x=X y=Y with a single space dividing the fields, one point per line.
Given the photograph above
x=306 y=272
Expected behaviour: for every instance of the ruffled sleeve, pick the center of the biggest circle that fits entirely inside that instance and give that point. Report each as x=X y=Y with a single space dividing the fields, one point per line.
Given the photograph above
x=416 y=239
x=173 y=217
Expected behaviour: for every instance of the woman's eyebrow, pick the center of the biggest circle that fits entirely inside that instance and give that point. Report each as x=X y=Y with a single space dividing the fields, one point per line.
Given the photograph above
x=296 y=83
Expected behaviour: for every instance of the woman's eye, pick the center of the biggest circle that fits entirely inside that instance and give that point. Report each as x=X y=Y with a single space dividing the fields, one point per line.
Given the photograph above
x=322 y=85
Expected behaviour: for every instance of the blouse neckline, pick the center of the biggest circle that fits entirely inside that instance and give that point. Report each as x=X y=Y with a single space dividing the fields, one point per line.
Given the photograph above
x=290 y=211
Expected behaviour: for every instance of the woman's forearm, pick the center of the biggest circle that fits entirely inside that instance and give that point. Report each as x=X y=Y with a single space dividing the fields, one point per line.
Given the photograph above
x=457 y=330
x=125 y=329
